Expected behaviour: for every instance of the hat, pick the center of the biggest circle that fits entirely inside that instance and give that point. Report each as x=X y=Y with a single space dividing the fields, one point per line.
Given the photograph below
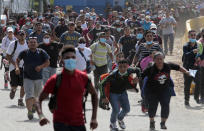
x=71 y=23
x=10 y=29
x=153 y=26
x=38 y=23
x=21 y=32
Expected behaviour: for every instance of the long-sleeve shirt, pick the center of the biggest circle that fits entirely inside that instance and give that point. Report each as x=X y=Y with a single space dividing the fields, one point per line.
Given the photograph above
x=118 y=83
x=188 y=55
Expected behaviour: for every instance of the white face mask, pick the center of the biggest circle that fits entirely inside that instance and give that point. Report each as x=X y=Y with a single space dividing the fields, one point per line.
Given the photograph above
x=46 y=40
x=82 y=45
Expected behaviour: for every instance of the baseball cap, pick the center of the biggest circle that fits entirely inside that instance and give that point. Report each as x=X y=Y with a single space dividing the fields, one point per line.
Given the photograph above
x=21 y=32
x=9 y=29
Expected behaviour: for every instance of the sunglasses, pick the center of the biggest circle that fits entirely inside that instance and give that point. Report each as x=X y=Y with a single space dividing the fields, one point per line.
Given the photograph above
x=32 y=38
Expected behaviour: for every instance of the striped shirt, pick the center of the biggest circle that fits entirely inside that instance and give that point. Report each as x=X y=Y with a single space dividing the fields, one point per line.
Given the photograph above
x=100 y=53
x=143 y=51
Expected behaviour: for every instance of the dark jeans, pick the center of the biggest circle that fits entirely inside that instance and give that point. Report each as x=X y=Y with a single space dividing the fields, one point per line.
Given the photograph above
x=187 y=85
x=63 y=127
x=199 y=88
x=163 y=98
x=98 y=72
x=171 y=43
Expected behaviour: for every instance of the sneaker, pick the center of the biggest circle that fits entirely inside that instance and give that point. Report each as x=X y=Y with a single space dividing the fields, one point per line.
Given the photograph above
x=113 y=127
x=152 y=125
x=163 y=126
x=197 y=101
x=20 y=102
x=121 y=123
x=12 y=93
x=30 y=115
x=187 y=103
x=6 y=86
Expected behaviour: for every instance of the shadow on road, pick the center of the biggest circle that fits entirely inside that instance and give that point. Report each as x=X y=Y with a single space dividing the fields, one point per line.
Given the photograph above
x=5 y=89
x=15 y=106
x=34 y=120
x=195 y=108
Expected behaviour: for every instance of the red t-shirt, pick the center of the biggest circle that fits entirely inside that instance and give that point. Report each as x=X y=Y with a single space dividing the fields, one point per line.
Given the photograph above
x=69 y=99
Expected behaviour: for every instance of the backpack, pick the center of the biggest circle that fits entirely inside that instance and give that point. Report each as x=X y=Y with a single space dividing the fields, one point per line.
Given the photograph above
x=53 y=99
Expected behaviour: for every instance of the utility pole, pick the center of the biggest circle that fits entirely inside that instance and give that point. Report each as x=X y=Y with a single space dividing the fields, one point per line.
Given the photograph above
x=41 y=10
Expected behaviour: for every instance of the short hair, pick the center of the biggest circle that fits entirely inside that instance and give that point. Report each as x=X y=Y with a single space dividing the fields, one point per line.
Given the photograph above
x=46 y=34
x=190 y=31
x=82 y=40
x=158 y=54
x=147 y=32
x=124 y=61
x=120 y=53
x=66 y=49
x=140 y=29
x=126 y=27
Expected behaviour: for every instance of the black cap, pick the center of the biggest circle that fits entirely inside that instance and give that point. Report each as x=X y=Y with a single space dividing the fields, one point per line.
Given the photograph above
x=38 y=23
x=71 y=23
x=21 y=32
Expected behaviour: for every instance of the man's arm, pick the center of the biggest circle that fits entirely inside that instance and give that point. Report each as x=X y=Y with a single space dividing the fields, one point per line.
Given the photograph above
x=43 y=120
x=45 y=64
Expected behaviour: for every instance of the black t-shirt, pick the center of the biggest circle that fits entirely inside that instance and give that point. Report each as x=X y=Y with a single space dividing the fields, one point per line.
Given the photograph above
x=53 y=51
x=118 y=83
x=60 y=29
x=159 y=79
x=31 y=61
x=128 y=43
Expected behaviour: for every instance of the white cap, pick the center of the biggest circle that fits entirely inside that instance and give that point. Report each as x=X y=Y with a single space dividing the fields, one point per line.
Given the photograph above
x=9 y=29
x=153 y=26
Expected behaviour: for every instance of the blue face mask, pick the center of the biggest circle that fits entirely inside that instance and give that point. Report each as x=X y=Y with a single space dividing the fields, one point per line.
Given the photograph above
x=139 y=36
x=70 y=64
x=149 y=42
x=102 y=40
x=192 y=40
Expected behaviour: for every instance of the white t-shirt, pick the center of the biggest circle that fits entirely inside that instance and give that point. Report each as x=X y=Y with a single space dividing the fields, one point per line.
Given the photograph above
x=81 y=63
x=5 y=43
x=19 y=49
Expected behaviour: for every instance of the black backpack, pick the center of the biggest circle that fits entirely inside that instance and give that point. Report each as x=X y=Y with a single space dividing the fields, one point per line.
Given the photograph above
x=53 y=99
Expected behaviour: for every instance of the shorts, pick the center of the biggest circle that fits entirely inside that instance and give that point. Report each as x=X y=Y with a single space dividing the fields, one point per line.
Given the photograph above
x=32 y=88
x=16 y=80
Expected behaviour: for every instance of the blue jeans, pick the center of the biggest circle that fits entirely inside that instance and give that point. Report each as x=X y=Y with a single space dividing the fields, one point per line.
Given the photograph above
x=117 y=101
x=171 y=43
x=47 y=73
x=63 y=127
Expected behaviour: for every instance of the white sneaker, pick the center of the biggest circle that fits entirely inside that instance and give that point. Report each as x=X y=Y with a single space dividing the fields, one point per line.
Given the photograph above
x=121 y=124
x=113 y=127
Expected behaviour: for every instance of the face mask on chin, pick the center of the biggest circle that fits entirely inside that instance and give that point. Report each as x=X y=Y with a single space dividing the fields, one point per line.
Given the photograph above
x=122 y=74
x=46 y=40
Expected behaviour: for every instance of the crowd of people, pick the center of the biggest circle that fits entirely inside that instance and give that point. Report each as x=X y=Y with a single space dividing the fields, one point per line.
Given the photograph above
x=129 y=45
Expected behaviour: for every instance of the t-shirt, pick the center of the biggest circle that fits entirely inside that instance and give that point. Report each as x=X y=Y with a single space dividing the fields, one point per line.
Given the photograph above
x=168 y=29
x=143 y=51
x=100 y=53
x=18 y=50
x=69 y=99
x=67 y=38
x=81 y=63
x=39 y=36
x=52 y=50
x=128 y=43
x=31 y=61
x=159 y=79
